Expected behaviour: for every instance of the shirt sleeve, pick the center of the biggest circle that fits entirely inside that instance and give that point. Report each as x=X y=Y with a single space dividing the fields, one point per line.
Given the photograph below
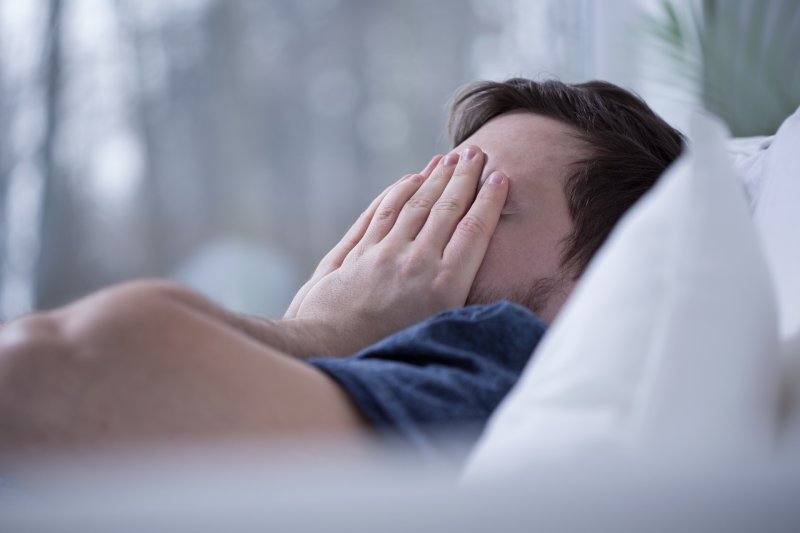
x=434 y=385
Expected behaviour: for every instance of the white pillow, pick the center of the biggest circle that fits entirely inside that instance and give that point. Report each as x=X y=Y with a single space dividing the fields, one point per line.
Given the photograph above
x=748 y=154
x=777 y=216
x=669 y=343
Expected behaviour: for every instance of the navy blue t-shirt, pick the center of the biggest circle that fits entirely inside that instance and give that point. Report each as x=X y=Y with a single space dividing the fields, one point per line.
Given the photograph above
x=442 y=377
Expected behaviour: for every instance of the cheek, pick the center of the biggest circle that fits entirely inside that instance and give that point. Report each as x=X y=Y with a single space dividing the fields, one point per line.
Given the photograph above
x=519 y=253
x=502 y=257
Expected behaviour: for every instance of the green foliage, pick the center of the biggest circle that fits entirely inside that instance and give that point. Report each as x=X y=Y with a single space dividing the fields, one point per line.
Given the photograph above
x=742 y=54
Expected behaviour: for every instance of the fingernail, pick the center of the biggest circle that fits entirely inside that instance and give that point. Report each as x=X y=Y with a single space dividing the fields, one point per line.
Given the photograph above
x=496 y=177
x=450 y=160
x=469 y=153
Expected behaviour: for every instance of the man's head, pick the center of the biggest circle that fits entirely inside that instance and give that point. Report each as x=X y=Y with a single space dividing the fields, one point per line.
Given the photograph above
x=577 y=157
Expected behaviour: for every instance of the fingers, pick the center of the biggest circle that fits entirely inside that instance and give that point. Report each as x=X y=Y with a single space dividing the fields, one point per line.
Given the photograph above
x=416 y=211
x=335 y=257
x=426 y=172
x=454 y=201
x=387 y=212
x=465 y=250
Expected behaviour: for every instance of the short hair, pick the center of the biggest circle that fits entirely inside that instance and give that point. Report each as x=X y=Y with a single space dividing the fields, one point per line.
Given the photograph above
x=629 y=145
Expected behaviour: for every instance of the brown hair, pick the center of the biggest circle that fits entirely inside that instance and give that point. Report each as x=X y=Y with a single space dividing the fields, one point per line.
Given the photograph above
x=630 y=147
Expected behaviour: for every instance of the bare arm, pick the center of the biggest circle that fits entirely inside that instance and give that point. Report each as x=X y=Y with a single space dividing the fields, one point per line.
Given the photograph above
x=152 y=360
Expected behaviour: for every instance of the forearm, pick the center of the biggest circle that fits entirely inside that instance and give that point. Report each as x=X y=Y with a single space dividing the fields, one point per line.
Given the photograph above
x=298 y=337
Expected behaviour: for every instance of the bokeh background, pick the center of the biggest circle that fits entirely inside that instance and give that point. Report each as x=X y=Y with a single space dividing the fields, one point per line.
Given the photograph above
x=227 y=144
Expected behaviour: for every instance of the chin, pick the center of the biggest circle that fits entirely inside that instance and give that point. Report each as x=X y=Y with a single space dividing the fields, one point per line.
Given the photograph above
x=543 y=296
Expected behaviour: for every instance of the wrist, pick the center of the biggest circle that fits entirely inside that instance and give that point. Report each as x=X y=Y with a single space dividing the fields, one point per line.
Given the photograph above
x=301 y=337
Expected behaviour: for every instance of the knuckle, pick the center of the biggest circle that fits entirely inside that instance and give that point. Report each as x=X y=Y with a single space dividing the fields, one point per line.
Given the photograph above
x=441 y=285
x=447 y=205
x=383 y=257
x=414 y=263
x=420 y=202
x=472 y=226
x=442 y=288
x=386 y=214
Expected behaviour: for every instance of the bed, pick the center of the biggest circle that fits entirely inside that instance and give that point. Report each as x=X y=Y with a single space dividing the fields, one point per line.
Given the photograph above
x=666 y=396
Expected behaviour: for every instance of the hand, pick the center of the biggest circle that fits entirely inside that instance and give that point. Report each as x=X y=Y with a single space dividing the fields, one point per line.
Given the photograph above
x=413 y=253
x=335 y=257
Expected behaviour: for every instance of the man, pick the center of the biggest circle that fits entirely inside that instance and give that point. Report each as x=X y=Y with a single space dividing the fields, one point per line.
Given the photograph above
x=554 y=167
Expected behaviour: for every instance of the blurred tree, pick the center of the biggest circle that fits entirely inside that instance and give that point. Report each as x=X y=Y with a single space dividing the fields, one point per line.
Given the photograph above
x=144 y=117
x=741 y=55
x=52 y=244
x=5 y=163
